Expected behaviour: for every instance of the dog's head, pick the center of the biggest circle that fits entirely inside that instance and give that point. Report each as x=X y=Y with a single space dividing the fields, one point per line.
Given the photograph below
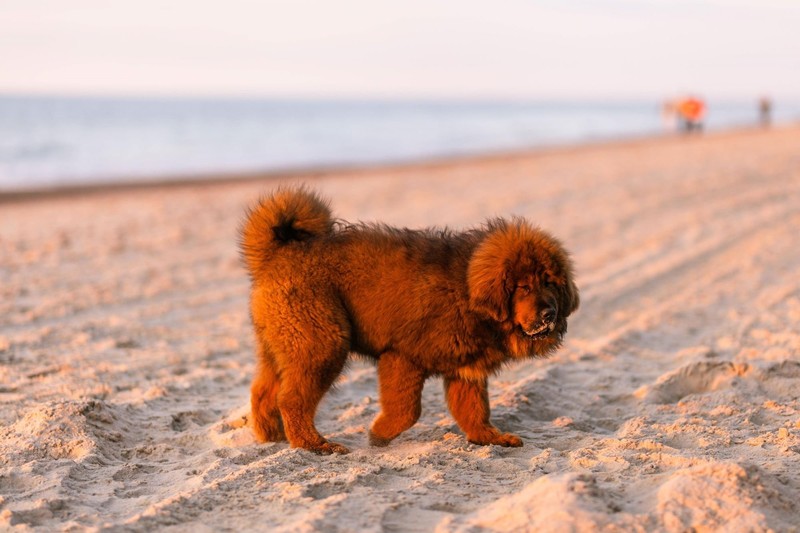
x=522 y=277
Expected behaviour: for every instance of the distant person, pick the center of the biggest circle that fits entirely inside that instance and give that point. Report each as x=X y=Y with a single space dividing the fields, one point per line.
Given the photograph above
x=691 y=111
x=765 y=111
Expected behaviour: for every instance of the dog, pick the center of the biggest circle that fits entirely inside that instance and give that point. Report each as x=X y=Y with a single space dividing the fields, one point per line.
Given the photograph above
x=420 y=303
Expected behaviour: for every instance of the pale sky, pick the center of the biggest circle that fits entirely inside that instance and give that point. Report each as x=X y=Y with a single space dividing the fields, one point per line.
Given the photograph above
x=565 y=49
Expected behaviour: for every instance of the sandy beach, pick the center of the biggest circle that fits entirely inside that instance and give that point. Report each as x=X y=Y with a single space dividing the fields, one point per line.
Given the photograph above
x=126 y=355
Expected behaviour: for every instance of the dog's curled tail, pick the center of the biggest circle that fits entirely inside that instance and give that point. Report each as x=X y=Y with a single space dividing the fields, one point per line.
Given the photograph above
x=285 y=216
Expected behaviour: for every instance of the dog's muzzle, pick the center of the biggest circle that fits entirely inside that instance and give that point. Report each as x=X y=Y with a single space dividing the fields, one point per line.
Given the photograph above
x=540 y=330
x=545 y=326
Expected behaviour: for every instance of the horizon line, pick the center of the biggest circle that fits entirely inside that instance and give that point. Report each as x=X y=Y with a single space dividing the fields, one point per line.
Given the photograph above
x=394 y=97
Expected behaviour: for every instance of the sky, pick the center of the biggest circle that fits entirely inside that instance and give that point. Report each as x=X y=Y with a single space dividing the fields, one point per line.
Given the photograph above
x=463 y=49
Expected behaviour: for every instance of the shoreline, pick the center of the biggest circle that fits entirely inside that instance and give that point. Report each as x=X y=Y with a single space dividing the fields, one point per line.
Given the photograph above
x=221 y=178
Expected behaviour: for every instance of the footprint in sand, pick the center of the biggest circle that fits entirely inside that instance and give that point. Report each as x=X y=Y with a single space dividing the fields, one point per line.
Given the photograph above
x=694 y=378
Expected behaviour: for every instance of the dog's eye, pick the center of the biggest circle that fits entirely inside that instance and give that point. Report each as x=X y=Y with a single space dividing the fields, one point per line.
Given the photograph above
x=523 y=288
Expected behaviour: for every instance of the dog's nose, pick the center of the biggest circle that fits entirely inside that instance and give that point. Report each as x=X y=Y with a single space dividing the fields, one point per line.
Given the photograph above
x=548 y=315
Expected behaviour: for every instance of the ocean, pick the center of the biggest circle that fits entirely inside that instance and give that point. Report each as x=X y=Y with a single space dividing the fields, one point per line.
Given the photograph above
x=53 y=141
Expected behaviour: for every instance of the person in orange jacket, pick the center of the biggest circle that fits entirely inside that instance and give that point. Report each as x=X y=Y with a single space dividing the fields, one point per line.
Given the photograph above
x=692 y=111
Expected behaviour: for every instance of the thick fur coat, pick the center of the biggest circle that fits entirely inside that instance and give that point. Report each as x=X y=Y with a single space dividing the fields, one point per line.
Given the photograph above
x=418 y=302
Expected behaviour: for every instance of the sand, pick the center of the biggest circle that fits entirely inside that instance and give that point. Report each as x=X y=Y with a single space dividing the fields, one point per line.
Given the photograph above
x=126 y=355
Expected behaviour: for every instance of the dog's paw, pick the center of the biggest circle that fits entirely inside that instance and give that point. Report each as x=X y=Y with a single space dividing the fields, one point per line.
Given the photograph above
x=507 y=440
x=375 y=440
x=327 y=448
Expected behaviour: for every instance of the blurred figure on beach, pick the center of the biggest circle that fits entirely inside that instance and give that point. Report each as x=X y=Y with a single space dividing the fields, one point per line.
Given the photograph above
x=765 y=111
x=691 y=113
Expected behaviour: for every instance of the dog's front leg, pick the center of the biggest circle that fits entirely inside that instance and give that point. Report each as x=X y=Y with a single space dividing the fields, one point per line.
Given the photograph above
x=469 y=403
x=400 y=383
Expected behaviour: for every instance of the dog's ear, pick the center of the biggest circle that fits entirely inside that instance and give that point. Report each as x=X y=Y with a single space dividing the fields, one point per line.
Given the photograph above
x=490 y=299
x=488 y=280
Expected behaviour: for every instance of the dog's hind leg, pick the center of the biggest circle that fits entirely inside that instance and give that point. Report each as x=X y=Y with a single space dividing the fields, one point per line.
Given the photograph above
x=401 y=392
x=267 y=423
x=469 y=403
x=312 y=353
x=302 y=388
x=304 y=339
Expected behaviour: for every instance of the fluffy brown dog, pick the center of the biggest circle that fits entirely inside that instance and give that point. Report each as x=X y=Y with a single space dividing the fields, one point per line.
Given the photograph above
x=421 y=303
